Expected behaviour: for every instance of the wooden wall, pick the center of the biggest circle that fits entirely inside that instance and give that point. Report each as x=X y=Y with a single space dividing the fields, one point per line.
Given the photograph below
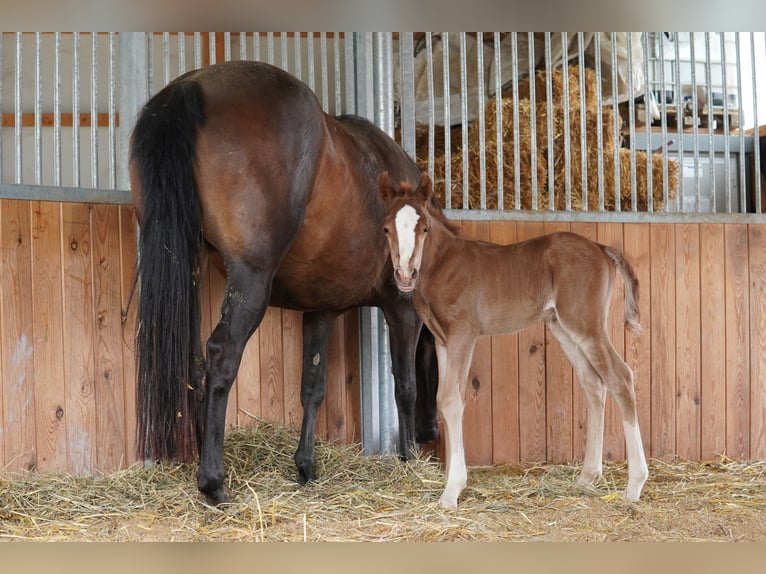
x=67 y=366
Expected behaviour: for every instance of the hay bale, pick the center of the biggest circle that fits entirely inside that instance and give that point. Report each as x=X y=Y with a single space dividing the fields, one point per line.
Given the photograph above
x=599 y=128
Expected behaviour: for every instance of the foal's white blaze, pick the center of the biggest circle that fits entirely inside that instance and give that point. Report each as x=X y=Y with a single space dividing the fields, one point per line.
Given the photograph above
x=406 y=220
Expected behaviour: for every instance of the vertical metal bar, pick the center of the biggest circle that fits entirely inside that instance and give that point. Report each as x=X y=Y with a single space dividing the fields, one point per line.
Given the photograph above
x=498 y=122
x=632 y=122
x=134 y=91
x=679 y=104
x=227 y=46
x=482 y=126
x=211 y=48
x=166 y=57
x=549 y=119
x=532 y=117
x=351 y=78
x=664 y=125
x=19 y=102
x=599 y=119
x=94 y=109
x=197 y=49
x=257 y=46
x=616 y=121
x=726 y=132
x=431 y=108
x=150 y=61
x=2 y=35
x=270 y=47
x=243 y=46
x=323 y=68
x=57 y=109
x=464 y=117
x=447 y=122
x=516 y=128
x=695 y=124
x=76 y=109
x=583 y=121
x=742 y=180
x=297 y=55
x=567 y=128
x=710 y=120
x=310 y=54
x=283 y=55
x=38 y=110
x=112 y=112
x=337 y=73
x=756 y=148
x=181 y=53
x=648 y=125
x=407 y=96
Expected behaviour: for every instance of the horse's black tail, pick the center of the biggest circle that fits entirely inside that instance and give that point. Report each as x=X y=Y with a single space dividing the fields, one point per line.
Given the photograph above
x=162 y=155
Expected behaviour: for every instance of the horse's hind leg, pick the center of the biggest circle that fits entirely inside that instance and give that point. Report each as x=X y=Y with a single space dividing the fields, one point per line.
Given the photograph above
x=316 y=334
x=426 y=381
x=595 y=397
x=403 y=330
x=243 y=307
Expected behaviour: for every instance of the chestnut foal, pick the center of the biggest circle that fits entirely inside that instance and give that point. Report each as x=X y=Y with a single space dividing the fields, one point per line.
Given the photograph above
x=463 y=289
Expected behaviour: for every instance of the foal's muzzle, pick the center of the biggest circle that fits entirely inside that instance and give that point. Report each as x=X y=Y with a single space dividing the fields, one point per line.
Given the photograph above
x=405 y=281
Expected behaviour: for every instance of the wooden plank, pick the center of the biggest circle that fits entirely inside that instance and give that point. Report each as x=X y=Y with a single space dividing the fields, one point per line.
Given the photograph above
x=477 y=417
x=663 y=328
x=129 y=303
x=688 y=340
x=558 y=370
x=79 y=351
x=292 y=346
x=48 y=321
x=757 y=249
x=249 y=383
x=109 y=384
x=713 y=342
x=638 y=350
x=532 y=416
x=335 y=398
x=579 y=405
x=16 y=339
x=272 y=366
x=737 y=342
x=614 y=440
x=505 y=375
x=353 y=390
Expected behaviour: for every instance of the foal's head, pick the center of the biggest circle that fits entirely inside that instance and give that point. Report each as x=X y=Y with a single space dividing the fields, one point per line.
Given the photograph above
x=406 y=225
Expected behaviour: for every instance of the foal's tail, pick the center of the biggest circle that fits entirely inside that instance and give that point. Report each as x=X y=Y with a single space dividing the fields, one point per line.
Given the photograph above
x=162 y=154
x=630 y=283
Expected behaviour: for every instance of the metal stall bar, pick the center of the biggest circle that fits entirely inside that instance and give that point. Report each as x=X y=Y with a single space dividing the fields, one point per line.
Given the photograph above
x=498 y=121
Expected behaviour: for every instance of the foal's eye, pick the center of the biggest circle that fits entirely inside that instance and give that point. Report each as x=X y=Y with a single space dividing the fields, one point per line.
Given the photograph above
x=385 y=230
x=426 y=229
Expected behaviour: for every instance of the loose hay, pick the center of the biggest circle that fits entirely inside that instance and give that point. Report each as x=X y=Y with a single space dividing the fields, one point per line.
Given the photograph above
x=368 y=498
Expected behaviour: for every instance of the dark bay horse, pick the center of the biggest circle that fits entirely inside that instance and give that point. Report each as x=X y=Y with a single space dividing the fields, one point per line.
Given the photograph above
x=463 y=289
x=238 y=163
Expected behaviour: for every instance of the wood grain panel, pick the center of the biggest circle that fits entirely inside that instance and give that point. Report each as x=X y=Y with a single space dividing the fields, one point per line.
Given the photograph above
x=757 y=251
x=737 y=342
x=79 y=339
x=505 y=375
x=129 y=302
x=558 y=370
x=688 y=341
x=638 y=349
x=713 y=342
x=663 y=437
x=272 y=366
x=16 y=339
x=477 y=418
x=292 y=348
x=532 y=376
x=108 y=376
x=335 y=400
x=47 y=325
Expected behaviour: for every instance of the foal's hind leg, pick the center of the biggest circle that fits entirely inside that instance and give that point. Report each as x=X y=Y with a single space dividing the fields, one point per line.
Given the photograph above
x=316 y=334
x=595 y=397
x=243 y=307
x=403 y=331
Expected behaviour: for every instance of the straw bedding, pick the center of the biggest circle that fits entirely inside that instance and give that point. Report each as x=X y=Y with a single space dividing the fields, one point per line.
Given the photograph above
x=535 y=153
x=375 y=498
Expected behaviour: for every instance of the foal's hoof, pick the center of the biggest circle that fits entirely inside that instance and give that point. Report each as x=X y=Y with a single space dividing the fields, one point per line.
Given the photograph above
x=306 y=474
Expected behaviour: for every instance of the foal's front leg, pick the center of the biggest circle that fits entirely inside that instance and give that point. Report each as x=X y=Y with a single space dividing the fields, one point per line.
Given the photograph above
x=454 y=363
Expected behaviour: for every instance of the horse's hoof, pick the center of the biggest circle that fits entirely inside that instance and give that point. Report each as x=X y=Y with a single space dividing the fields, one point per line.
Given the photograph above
x=427 y=435
x=216 y=498
x=306 y=474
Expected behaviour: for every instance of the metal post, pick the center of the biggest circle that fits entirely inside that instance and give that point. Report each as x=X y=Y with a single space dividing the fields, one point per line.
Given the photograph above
x=133 y=88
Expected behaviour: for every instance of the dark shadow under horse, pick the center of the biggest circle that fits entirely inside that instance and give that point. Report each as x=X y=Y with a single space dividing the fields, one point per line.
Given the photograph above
x=237 y=163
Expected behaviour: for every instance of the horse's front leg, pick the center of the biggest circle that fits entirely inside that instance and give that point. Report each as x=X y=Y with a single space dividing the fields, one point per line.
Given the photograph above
x=316 y=334
x=454 y=363
x=243 y=307
x=403 y=331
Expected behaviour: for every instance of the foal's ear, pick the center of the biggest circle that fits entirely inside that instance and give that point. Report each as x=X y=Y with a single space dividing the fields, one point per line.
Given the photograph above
x=384 y=186
x=425 y=189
